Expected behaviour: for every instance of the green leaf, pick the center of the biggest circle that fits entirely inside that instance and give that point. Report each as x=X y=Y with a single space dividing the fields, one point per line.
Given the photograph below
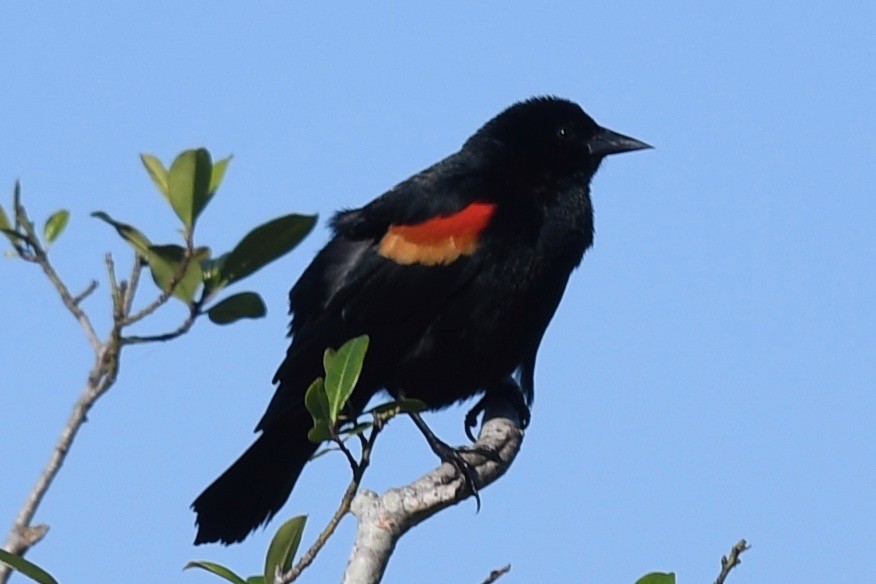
x=164 y=261
x=264 y=244
x=129 y=233
x=342 y=373
x=657 y=578
x=316 y=401
x=242 y=305
x=55 y=225
x=29 y=569
x=157 y=173
x=4 y=219
x=283 y=546
x=255 y=580
x=320 y=432
x=188 y=184
x=217 y=569
x=327 y=358
x=218 y=174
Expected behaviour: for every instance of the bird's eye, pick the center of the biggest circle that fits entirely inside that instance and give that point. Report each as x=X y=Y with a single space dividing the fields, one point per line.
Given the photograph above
x=565 y=133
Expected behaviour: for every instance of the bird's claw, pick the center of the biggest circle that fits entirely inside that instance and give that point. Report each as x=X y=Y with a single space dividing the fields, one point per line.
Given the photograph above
x=453 y=457
x=510 y=392
x=485 y=451
x=471 y=419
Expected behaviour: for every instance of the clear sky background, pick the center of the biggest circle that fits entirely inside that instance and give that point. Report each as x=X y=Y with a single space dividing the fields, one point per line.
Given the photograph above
x=709 y=375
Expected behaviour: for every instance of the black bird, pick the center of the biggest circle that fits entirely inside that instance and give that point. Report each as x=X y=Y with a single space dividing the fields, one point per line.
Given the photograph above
x=454 y=273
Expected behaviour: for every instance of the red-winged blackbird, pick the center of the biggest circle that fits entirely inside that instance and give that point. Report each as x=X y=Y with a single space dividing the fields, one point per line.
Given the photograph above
x=454 y=274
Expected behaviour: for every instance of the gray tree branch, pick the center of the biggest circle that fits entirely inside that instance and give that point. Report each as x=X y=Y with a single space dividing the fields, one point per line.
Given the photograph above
x=358 y=468
x=731 y=561
x=101 y=377
x=104 y=371
x=496 y=574
x=384 y=519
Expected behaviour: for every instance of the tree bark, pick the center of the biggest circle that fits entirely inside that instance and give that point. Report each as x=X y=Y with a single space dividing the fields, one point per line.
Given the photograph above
x=384 y=519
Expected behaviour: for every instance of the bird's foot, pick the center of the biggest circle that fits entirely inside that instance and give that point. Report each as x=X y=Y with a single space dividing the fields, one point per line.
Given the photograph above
x=508 y=391
x=465 y=469
x=454 y=457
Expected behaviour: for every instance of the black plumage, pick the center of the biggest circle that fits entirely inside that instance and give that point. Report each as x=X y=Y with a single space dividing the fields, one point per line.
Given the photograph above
x=454 y=273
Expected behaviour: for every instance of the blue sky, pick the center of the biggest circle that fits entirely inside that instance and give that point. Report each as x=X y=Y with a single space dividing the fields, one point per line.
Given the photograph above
x=709 y=374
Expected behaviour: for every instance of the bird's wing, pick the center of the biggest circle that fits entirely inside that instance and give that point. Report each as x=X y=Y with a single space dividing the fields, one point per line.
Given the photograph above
x=390 y=268
x=401 y=254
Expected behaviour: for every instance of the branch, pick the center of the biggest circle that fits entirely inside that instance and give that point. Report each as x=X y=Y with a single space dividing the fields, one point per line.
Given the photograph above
x=130 y=290
x=194 y=313
x=133 y=282
x=85 y=293
x=40 y=258
x=384 y=519
x=344 y=508
x=166 y=294
x=23 y=535
x=354 y=465
x=101 y=377
x=731 y=561
x=497 y=573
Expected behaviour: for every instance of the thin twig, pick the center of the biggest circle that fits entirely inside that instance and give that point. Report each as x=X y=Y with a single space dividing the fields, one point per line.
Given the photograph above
x=133 y=283
x=116 y=290
x=40 y=258
x=156 y=304
x=77 y=300
x=496 y=574
x=310 y=555
x=731 y=561
x=23 y=229
x=354 y=465
x=17 y=240
x=165 y=294
x=344 y=508
x=101 y=377
x=69 y=302
x=111 y=273
x=194 y=313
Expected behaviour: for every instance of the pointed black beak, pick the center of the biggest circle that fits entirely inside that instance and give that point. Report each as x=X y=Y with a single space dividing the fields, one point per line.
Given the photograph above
x=607 y=142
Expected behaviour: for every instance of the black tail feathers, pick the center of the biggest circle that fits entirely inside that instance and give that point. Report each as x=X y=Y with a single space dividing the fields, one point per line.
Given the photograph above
x=254 y=488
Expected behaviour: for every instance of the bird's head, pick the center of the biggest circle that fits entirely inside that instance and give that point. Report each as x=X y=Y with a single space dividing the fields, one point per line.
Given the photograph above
x=553 y=136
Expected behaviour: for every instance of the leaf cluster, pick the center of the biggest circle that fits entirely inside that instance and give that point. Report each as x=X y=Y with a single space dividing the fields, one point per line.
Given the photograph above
x=182 y=270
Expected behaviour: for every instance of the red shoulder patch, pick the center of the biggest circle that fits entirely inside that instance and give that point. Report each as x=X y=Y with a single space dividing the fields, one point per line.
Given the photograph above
x=437 y=241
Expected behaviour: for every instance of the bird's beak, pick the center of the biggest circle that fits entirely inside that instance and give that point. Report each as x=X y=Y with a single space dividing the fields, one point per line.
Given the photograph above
x=607 y=142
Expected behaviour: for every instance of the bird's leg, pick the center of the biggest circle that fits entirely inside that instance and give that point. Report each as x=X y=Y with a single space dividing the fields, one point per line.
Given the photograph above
x=453 y=456
x=509 y=391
